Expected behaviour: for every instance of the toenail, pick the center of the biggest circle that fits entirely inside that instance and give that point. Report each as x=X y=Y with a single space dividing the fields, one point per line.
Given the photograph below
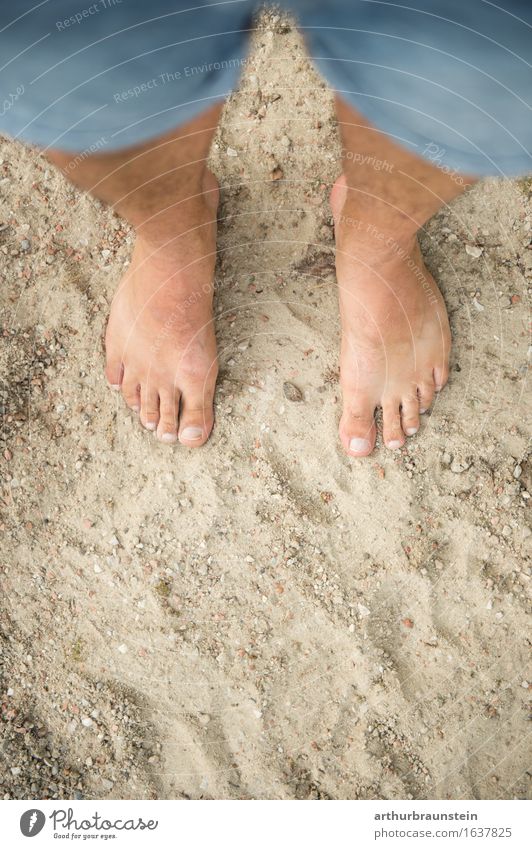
x=150 y=425
x=358 y=445
x=115 y=386
x=394 y=444
x=169 y=437
x=423 y=409
x=135 y=408
x=410 y=431
x=191 y=433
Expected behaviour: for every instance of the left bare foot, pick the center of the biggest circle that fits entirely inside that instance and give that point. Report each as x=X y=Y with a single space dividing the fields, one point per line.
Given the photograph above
x=395 y=332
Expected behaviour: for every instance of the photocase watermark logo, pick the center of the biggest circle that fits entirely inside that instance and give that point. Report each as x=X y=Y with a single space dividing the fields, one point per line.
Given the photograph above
x=81 y=157
x=175 y=76
x=32 y=822
x=436 y=154
x=10 y=100
x=365 y=159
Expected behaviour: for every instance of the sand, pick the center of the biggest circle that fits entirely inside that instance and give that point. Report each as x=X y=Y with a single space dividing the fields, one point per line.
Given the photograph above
x=265 y=617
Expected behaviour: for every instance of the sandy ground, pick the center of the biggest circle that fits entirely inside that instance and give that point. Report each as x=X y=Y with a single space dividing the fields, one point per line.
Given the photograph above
x=263 y=618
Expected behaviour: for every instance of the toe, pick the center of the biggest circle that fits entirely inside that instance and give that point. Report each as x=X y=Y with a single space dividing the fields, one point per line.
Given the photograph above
x=131 y=392
x=441 y=376
x=357 y=427
x=426 y=394
x=114 y=372
x=392 y=431
x=169 y=415
x=410 y=415
x=149 y=405
x=196 y=415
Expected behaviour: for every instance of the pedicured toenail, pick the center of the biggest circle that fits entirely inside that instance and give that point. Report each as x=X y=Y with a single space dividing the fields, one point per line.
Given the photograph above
x=394 y=444
x=359 y=445
x=410 y=431
x=150 y=425
x=191 y=433
x=169 y=437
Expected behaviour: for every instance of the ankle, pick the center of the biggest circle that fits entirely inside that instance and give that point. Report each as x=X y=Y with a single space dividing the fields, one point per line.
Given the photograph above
x=375 y=226
x=186 y=221
x=375 y=241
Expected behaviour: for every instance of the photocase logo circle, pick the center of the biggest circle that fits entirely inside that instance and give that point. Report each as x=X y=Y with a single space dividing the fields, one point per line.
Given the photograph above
x=32 y=822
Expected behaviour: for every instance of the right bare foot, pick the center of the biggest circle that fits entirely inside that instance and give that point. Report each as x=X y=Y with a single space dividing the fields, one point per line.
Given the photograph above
x=160 y=342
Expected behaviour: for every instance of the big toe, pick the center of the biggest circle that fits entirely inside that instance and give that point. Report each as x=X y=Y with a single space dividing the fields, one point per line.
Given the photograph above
x=196 y=416
x=114 y=370
x=357 y=427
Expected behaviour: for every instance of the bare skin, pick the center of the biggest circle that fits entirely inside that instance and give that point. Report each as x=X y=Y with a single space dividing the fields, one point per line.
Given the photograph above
x=160 y=342
x=395 y=332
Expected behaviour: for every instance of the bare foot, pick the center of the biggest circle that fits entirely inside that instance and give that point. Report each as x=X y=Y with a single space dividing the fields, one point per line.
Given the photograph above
x=395 y=331
x=160 y=342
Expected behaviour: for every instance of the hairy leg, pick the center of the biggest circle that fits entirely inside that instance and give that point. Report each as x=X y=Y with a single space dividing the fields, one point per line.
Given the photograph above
x=160 y=343
x=395 y=331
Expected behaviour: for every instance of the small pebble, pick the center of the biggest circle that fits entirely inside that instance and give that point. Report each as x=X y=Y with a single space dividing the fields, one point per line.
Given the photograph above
x=291 y=392
x=474 y=251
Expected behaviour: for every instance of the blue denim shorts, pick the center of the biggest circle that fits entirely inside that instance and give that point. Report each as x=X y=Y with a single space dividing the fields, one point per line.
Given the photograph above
x=449 y=79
